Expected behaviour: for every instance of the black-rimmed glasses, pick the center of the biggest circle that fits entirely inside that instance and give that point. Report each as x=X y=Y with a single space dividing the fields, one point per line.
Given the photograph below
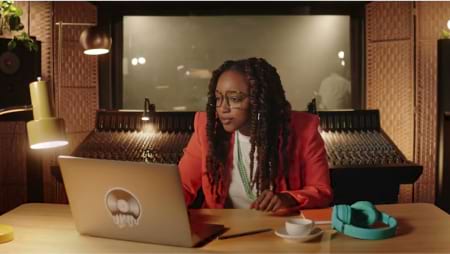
x=233 y=99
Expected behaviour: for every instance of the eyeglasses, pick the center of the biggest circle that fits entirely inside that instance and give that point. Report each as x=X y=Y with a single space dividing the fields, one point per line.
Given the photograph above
x=234 y=99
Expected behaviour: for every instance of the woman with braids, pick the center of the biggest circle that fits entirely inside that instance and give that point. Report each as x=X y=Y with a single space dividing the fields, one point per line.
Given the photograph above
x=249 y=150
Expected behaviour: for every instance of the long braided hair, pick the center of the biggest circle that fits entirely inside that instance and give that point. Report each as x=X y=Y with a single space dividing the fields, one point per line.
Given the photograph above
x=269 y=120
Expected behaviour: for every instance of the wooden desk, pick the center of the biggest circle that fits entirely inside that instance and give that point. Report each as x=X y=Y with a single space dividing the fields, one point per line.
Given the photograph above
x=49 y=228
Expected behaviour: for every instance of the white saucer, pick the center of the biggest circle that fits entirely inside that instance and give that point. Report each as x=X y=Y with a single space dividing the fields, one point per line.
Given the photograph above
x=281 y=232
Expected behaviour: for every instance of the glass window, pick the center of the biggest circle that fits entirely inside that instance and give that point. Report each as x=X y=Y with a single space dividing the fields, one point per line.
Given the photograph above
x=169 y=59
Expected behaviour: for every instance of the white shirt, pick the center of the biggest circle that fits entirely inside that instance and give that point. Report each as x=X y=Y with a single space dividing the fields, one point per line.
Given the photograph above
x=237 y=193
x=335 y=92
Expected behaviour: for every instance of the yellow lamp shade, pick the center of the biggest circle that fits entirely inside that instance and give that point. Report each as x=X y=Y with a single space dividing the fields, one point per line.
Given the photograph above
x=45 y=131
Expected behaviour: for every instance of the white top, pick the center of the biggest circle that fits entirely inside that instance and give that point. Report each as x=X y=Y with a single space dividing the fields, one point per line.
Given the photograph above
x=236 y=192
x=335 y=92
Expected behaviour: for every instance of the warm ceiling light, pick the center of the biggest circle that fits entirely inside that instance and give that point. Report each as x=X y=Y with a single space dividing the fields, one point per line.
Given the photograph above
x=341 y=54
x=95 y=52
x=95 y=41
x=141 y=60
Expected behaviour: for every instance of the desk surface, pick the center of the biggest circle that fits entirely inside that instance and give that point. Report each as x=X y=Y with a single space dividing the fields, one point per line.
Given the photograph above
x=49 y=228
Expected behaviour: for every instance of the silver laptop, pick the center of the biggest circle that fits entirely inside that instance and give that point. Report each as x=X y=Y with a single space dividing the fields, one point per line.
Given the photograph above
x=132 y=201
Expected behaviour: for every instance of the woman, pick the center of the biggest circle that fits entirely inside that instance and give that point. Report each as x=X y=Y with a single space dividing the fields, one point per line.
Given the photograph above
x=249 y=150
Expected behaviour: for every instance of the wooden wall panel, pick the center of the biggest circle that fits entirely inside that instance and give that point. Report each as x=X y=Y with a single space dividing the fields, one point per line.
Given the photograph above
x=431 y=19
x=390 y=73
x=76 y=88
x=389 y=21
x=387 y=24
x=392 y=93
x=13 y=168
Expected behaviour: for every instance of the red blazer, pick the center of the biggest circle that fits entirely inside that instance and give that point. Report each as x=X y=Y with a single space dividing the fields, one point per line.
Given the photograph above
x=309 y=176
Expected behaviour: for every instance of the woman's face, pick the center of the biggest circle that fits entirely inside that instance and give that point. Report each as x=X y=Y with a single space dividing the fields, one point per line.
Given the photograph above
x=232 y=102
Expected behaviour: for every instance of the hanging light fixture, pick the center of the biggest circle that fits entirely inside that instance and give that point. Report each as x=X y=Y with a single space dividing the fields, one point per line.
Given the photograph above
x=95 y=41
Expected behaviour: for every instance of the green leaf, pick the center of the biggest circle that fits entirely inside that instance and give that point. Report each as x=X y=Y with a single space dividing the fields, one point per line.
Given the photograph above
x=12 y=44
x=23 y=36
x=445 y=34
x=10 y=21
x=19 y=11
x=5 y=5
x=35 y=47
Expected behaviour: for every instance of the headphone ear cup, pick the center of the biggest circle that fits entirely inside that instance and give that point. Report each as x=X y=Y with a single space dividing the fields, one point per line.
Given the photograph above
x=343 y=213
x=365 y=214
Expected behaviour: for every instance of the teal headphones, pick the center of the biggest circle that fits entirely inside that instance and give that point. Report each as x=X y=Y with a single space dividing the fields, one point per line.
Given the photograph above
x=356 y=219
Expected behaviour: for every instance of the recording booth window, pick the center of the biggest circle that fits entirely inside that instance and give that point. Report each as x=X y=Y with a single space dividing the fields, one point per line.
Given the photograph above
x=173 y=66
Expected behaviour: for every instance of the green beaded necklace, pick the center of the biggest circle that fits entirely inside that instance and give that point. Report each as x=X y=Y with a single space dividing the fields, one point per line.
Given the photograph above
x=243 y=172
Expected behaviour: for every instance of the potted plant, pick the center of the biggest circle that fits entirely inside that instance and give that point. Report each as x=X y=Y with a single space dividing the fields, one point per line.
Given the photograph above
x=10 y=23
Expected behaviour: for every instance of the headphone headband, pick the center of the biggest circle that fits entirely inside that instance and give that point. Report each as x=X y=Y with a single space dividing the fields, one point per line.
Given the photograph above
x=361 y=232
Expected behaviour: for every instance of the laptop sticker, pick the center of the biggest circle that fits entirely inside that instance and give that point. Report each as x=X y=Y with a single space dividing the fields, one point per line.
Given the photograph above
x=124 y=207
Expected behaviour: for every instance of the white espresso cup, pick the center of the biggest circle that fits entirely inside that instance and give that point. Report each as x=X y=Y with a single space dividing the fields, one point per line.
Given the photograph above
x=298 y=226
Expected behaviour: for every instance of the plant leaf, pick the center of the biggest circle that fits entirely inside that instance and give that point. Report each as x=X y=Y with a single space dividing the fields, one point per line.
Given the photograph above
x=10 y=17
x=18 y=11
x=5 y=5
x=12 y=44
x=35 y=47
x=445 y=34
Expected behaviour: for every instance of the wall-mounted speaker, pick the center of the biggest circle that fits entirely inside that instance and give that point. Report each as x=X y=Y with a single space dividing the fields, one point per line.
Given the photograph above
x=18 y=67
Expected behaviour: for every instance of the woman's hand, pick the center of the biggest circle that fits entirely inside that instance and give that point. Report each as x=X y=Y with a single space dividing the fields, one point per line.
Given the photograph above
x=271 y=202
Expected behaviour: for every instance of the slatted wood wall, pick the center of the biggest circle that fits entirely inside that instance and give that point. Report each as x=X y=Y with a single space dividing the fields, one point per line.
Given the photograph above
x=390 y=72
x=401 y=80
x=77 y=91
x=13 y=168
x=431 y=19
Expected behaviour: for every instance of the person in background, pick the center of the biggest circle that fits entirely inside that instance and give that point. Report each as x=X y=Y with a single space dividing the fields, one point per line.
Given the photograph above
x=250 y=150
x=335 y=92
